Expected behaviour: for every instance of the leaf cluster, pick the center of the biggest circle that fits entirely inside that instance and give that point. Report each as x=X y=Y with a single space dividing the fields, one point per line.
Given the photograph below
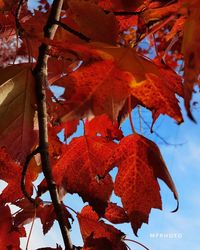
x=108 y=58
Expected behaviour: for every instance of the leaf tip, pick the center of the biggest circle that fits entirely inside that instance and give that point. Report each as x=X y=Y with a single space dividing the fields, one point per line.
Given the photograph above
x=177 y=207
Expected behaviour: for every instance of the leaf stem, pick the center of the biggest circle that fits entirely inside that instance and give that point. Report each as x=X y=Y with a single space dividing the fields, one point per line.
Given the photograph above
x=130 y=115
x=71 y=209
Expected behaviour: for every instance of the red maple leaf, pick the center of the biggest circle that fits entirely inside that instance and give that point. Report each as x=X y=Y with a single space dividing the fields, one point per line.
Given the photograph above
x=45 y=212
x=9 y=235
x=104 y=126
x=79 y=171
x=11 y=172
x=97 y=234
x=115 y=214
x=97 y=88
x=140 y=163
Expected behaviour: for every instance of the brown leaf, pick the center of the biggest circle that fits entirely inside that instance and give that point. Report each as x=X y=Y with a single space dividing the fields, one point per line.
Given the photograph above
x=18 y=132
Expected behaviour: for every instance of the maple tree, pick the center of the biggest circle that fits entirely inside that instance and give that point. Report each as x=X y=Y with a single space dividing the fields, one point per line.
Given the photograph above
x=93 y=51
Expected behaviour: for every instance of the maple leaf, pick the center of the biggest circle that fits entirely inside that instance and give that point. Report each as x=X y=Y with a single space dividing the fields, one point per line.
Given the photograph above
x=68 y=127
x=148 y=79
x=46 y=214
x=7 y=30
x=26 y=213
x=104 y=29
x=97 y=88
x=57 y=68
x=165 y=101
x=115 y=214
x=9 y=235
x=17 y=111
x=191 y=50
x=56 y=147
x=140 y=163
x=33 y=28
x=10 y=172
x=124 y=21
x=97 y=244
x=96 y=233
x=78 y=170
x=127 y=59
x=104 y=126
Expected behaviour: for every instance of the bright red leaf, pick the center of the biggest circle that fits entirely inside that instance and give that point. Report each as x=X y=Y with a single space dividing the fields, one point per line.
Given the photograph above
x=9 y=235
x=78 y=171
x=104 y=126
x=10 y=172
x=97 y=88
x=140 y=163
x=115 y=214
x=90 y=225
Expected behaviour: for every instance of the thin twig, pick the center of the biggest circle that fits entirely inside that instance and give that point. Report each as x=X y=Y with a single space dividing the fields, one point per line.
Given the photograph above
x=19 y=29
x=160 y=137
x=156 y=28
x=140 y=118
x=17 y=15
x=124 y=13
x=49 y=202
x=40 y=74
x=31 y=229
x=138 y=243
x=23 y=177
x=74 y=32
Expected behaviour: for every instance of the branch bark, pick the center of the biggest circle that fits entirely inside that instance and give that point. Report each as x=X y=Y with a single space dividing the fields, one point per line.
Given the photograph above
x=40 y=74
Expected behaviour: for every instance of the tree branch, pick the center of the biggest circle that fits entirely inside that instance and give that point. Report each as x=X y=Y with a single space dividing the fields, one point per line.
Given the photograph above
x=40 y=74
x=74 y=32
x=124 y=13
